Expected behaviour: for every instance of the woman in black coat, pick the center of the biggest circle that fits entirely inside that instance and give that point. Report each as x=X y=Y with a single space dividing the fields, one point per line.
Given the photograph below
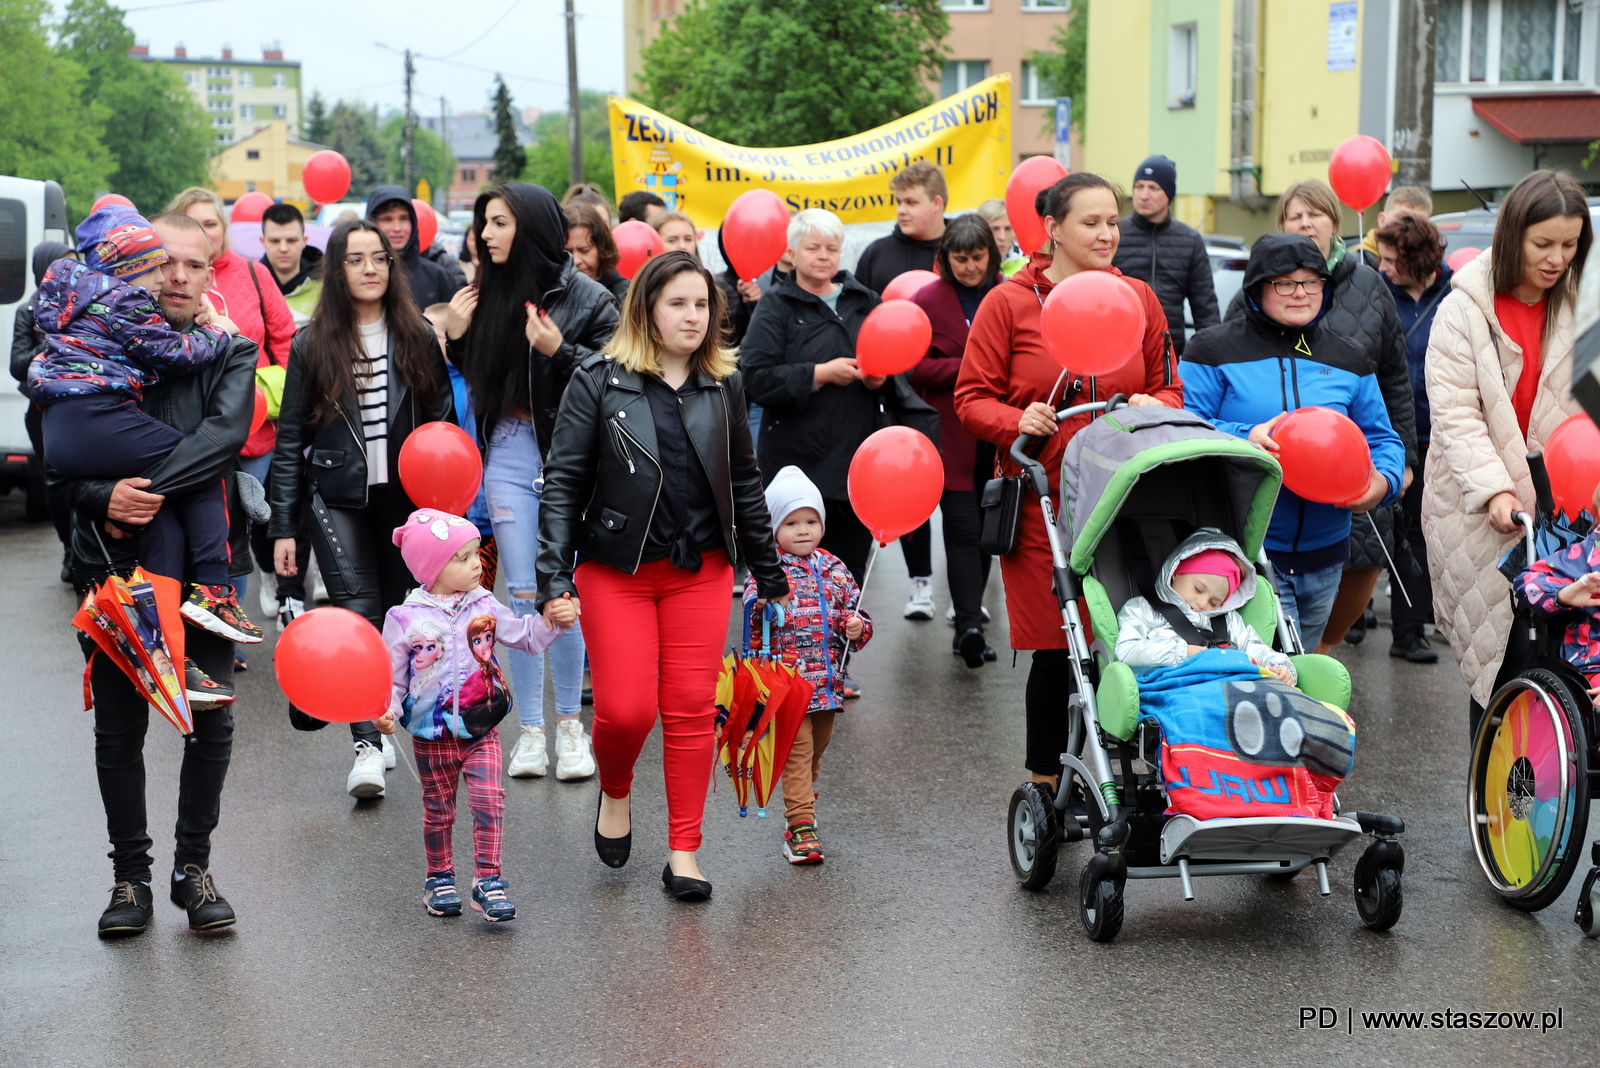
x=363 y=375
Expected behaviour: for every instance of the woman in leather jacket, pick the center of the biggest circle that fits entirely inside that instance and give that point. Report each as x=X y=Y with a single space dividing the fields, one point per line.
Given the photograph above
x=363 y=375
x=652 y=486
x=517 y=336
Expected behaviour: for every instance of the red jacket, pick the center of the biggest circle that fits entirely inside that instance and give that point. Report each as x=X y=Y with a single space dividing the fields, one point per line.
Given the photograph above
x=263 y=320
x=934 y=379
x=1005 y=369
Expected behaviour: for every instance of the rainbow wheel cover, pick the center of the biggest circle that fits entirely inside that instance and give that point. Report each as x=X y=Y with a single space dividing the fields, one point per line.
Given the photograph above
x=1524 y=790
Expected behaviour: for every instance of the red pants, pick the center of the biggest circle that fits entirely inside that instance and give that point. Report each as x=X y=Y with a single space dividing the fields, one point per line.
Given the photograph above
x=655 y=643
x=441 y=766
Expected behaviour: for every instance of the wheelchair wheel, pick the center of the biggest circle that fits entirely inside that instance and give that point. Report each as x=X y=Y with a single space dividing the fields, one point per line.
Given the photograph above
x=1100 y=906
x=1032 y=835
x=1529 y=788
x=1588 y=914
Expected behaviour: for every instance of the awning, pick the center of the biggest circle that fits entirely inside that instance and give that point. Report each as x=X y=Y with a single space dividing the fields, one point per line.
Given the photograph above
x=1543 y=118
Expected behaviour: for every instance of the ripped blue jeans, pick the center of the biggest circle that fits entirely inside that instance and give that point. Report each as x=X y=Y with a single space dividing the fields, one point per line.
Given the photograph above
x=510 y=474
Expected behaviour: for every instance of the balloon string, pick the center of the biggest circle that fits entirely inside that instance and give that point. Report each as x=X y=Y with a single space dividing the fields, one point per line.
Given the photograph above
x=1394 y=572
x=861 y=595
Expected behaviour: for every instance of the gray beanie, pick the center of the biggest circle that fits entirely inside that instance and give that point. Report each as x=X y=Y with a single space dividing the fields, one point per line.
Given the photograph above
x=1162 y=171
x=789 y=491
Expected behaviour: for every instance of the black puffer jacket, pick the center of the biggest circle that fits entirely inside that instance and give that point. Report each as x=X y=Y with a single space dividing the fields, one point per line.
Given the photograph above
x=586 y=314
x=330 y=460
x=602 y=478
x=1171 y=258
x=430 y=283
x=818 y=430
x=1363 y=311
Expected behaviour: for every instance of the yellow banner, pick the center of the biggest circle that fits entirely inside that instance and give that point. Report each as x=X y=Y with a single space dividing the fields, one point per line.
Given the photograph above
x=967 y=135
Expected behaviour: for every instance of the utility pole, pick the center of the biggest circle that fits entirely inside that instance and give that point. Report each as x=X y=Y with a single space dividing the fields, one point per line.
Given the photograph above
x=574 y=124
x=444 y=140
x=1413 y=92
x=410 y=121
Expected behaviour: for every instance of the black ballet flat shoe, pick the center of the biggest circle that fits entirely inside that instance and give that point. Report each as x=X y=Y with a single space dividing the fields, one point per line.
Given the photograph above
x=970 y=647
x=685 y=889
x=614 y=852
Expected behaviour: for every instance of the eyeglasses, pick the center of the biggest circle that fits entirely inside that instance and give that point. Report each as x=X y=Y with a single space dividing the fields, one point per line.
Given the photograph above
x=1285 y=287
x=380 y=260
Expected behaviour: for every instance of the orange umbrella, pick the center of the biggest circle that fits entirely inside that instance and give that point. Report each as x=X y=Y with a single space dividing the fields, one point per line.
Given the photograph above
x=771 y=750
x=136 y=622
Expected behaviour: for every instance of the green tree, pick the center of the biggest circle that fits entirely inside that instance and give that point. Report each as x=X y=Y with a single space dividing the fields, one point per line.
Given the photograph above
x=316 y=126
x=158 y=137
x=353 y=132
x=789 y=72
x=547 y=157
x=430 y=158
x=47 y=127
x=1064 y=67
x=509 y=157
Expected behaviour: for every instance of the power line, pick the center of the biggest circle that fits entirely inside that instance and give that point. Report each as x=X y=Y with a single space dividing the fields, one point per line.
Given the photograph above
x=485 y=33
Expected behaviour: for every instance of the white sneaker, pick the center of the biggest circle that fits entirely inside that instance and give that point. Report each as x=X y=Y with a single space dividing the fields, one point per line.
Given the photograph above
x=574 y=758
x=269 y=593
x=291 y=609
x=950 y=620
x=366 y=777
x=531 y=758
x=319 y=589
x=921 y=604
x=389 y=757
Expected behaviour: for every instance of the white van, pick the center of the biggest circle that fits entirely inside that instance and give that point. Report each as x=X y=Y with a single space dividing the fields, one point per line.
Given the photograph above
x=30 y=212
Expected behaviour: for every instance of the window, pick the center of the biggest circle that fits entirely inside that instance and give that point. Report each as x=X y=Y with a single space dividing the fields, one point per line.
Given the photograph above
x=280 y=111
x=1183 y=61
x=252 y=153
x=191 y=77
x=964 y=5
x=220 y=121
x=962 y=74
x=247 y=80
x=13 y=250
x=1035 y=90
x=250 y=187
x=469 y=174
x=1493 y=41
x=247 y=111
x=280 y=80
x=1047 y=5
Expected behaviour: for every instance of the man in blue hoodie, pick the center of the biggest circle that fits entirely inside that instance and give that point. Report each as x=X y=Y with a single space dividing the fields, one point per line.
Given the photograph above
x=1245 y=374
x=391 y=209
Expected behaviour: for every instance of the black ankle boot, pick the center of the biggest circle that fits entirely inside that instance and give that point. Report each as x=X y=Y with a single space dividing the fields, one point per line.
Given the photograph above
x=197 y=895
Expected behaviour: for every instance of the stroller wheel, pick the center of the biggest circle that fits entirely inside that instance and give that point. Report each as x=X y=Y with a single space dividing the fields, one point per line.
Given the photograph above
x=1032 y=835
x=1588 y=914
x=1100 y=906
x=1529 y=788
x=1379 y=898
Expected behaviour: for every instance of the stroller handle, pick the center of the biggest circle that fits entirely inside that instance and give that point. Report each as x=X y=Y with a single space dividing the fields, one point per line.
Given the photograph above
x=1034 y=469
x=1544 y=500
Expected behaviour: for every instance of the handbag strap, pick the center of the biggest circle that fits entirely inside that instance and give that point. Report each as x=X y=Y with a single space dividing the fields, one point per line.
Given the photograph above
x=261 y=302
x=1422 y=316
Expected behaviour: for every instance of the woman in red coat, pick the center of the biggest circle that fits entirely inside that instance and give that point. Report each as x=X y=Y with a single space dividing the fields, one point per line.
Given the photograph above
x=1009 y=385
x=969 y=268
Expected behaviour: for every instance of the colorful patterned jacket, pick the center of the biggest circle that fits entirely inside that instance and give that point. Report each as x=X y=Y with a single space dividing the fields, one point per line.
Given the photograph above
x=102 y=335
x=1538 y=586
x=822 y=598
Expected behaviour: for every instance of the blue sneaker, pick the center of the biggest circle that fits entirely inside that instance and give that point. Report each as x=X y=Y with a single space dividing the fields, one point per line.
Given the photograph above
x=441 y=898
x=489 y=898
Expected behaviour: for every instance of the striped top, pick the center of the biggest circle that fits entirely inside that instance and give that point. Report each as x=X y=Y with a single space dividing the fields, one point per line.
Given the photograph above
x=372 y=396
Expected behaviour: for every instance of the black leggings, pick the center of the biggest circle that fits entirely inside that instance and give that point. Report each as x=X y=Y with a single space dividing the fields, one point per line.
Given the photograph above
x=1050 y=684
x=361 y=565
x=966 y=565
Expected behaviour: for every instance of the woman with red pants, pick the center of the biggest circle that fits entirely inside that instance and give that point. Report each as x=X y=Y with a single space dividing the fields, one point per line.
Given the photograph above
x=650 y=492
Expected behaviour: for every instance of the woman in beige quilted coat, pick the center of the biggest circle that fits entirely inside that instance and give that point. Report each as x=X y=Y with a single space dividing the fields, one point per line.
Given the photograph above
x=1488 y=414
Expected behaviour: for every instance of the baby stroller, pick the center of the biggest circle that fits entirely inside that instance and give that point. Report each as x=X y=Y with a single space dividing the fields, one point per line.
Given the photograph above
x=1137 y=482
x=1536 y=751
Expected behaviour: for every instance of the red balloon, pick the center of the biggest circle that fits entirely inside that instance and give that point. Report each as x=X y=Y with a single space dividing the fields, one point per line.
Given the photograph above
x=1359 y=171
x=326 y=176
x=894 y=338
x=332 y=664
x=111 y=198
x=755 y=232
x=1462 y=256
x=260 y=415
x=1032 y=174
x=427 y=224
x=907 y=285
x=1324 y=456
x=1093 y=323
x=896 y=477
x=440 y=468
x=1572 y=456
x=636 y=241
x=249 y=207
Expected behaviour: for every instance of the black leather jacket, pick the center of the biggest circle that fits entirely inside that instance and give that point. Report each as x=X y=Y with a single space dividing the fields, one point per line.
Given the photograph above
x=213 y=408
x=331 y=460
x=586 y=314
x=602 y=478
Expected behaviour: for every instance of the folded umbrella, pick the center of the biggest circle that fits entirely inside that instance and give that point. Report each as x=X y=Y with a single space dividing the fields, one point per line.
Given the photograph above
x=136 y=622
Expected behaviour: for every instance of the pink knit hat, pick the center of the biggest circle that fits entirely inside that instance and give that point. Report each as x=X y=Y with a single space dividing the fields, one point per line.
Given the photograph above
x=1206 y=562
x=429 y=538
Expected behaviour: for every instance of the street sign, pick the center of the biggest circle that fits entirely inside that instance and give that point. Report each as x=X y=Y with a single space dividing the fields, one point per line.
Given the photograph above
x=1064 y=131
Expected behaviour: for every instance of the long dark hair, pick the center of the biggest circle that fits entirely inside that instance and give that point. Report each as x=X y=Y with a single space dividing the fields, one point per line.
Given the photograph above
x=968 y=233
x=497 y=345
x=333 y=341
x=1537 y=197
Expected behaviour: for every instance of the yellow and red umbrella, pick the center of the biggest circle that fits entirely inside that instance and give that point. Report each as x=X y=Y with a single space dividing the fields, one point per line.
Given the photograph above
x=136 y=623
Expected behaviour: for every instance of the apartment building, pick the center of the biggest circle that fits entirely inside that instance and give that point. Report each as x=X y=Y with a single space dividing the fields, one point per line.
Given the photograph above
x=241 y=96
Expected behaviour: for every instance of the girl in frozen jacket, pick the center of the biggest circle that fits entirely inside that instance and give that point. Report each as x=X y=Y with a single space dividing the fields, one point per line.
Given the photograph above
x=449 y=693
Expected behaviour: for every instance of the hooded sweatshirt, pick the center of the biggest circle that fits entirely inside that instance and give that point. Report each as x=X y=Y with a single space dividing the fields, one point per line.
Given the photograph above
x=430 y=283
x=1146 y=639
x=890 y=257
x=1250 y=368
x=446 y=682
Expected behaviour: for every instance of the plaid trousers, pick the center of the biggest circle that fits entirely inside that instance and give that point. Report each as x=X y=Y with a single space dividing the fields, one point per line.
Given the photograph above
x=441 y=765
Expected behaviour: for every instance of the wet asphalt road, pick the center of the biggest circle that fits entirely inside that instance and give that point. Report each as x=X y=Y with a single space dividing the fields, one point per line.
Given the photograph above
x=910 y=946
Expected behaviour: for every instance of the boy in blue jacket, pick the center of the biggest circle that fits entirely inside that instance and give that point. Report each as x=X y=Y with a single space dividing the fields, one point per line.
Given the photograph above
x=1247 y=373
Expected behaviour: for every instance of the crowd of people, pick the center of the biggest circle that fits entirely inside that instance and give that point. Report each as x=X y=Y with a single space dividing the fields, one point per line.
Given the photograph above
x=650 y=444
